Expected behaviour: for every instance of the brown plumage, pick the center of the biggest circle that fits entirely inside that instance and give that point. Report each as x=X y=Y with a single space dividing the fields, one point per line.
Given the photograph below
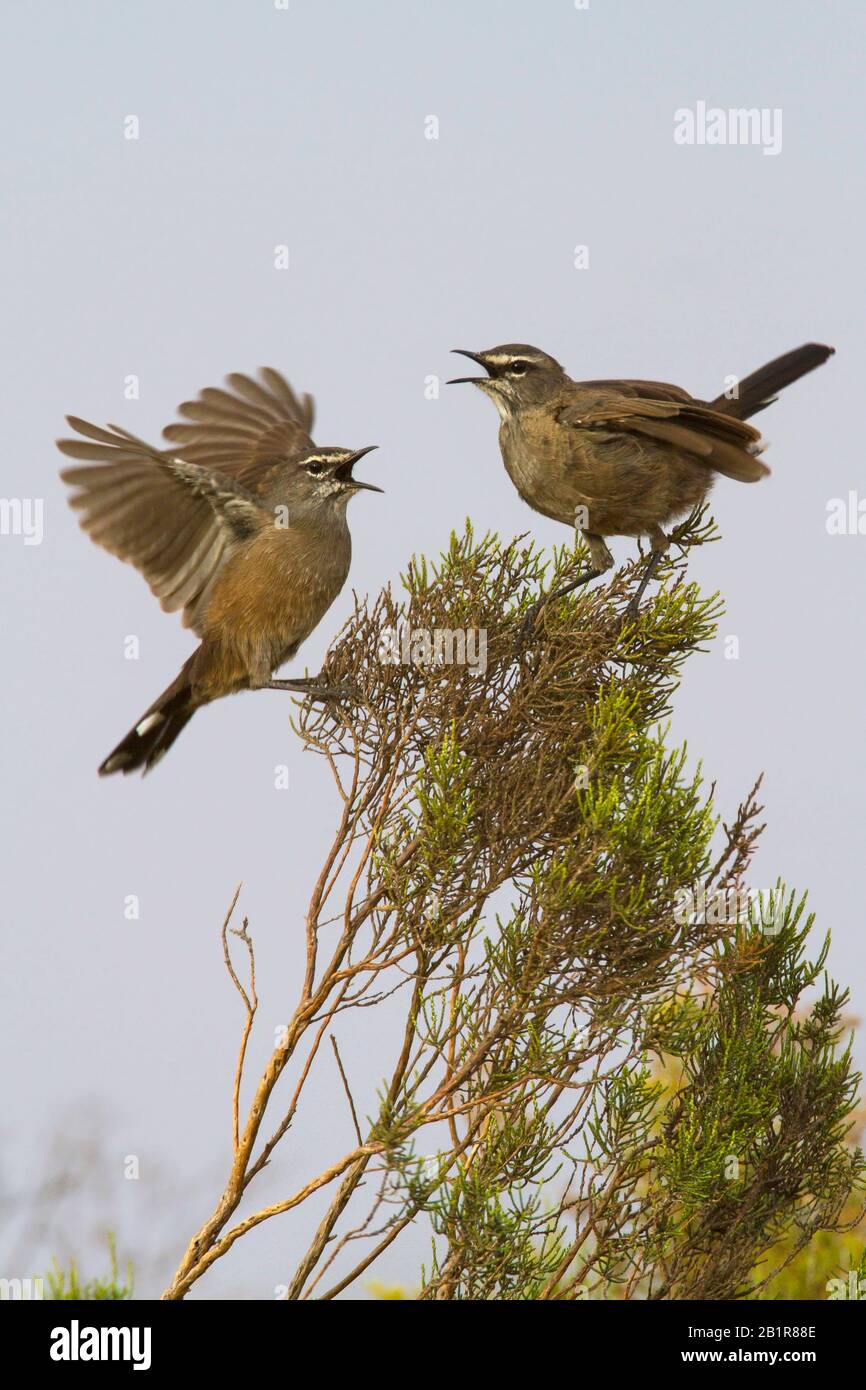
x=624 y=458
x=242 y=525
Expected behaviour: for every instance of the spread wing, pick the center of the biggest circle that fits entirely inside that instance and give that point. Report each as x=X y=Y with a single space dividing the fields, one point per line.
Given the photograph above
x=177 y=515
x=244 y=432
x=670 y=417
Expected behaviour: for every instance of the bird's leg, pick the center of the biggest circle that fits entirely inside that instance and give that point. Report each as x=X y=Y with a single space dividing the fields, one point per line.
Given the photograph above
x=601 y=560
x=534 y=609
x=659 y=543
x=309 y=685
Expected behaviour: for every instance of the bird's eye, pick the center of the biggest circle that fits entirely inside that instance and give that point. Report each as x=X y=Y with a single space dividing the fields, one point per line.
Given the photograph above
x=518 y=368
x=315 y=468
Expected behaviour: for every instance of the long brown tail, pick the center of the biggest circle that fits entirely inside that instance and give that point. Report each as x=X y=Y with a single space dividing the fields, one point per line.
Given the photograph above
x=156 y=730
x=762 y=387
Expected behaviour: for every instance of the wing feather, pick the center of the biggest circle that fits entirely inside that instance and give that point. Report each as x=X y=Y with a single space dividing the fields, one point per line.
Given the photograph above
x=177 y=515
x=720 y=441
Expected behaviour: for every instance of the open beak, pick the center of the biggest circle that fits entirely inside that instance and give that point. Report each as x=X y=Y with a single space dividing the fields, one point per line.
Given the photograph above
x=345 y=472
x=473 y=357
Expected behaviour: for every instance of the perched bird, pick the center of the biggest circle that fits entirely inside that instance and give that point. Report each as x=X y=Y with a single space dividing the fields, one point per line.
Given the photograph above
x=623 y=458
x=241 y=523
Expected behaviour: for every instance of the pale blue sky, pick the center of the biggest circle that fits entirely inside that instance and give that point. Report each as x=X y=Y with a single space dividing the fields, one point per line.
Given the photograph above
x=155 y=257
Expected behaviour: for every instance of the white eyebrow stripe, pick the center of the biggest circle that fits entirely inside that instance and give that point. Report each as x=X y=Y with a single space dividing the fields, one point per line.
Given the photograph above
x=503 y=359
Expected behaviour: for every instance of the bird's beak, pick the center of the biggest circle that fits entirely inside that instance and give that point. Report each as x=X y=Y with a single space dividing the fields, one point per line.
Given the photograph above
x=473 y=357
x=350 y=464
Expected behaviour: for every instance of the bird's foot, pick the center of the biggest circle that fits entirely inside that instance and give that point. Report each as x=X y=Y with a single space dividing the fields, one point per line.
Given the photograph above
x=528 y=625
x=652 y=565
x=312 y=687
